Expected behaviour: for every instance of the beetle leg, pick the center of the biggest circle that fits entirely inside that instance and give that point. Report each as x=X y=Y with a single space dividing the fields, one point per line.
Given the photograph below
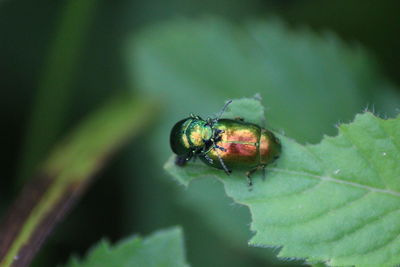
x=249 y=182
x=217 y=133
x=220 y=148
x=180 y=160
x=227 y=171
x=191 y=155
x=250 y=172
x=208 y=158
x=248 y=175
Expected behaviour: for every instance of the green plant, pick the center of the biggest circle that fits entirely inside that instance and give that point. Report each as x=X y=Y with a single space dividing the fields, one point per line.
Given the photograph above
x=335 y=202
x=315 y=198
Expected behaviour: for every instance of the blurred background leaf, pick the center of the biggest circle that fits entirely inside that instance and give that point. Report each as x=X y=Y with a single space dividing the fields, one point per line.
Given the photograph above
x=67 y=172
x=118 y=204
x=162 y=248
x=53 y=98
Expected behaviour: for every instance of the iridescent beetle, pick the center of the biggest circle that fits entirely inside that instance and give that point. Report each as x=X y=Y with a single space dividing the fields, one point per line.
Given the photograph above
x=226 y=144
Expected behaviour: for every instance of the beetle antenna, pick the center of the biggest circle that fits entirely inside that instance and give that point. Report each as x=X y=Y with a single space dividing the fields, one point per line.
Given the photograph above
x=222 y=110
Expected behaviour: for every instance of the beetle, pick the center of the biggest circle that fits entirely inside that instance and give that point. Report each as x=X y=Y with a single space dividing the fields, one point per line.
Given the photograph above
x=226 y=144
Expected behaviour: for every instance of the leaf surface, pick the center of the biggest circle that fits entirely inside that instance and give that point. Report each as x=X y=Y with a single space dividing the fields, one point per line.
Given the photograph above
x=337 y=201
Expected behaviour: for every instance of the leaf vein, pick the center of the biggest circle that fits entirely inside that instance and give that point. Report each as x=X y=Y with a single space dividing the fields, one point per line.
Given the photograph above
x=263 y=199
x=338 y=181
x=385 y=244
x=360 y=226
x=365 y=157
x=324 y=212
x=390 y=137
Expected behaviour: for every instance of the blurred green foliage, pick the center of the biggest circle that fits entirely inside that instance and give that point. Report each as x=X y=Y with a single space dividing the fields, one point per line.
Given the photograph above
x=54 y=83
x=119 y=52
x=162 y=248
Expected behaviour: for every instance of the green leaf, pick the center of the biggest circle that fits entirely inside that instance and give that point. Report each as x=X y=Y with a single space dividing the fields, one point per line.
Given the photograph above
x=337 y=201
x=163 y=248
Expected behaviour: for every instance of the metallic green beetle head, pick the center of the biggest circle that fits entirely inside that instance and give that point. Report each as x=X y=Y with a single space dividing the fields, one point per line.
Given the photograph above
x=190 y=135
x=194 y=136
